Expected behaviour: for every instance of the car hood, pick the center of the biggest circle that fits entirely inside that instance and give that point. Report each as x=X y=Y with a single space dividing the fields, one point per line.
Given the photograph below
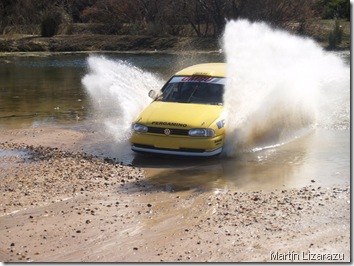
x=179 y=115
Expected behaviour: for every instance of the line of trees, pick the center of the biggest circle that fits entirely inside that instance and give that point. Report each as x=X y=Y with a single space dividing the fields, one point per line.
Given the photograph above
x=164 y=17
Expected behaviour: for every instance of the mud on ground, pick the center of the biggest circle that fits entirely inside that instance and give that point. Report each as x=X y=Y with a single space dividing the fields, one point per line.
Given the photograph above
x=61 y=205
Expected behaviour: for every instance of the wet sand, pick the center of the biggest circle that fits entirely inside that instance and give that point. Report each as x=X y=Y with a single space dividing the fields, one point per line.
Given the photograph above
x=60 y=204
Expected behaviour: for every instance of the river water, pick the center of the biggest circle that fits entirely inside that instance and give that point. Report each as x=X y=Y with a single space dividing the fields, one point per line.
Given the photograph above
x=79 y=91
x=36 y=90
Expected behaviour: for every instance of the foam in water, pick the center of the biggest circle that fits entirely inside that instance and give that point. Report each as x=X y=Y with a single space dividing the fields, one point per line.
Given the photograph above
x=278 y=86
x=119 y=92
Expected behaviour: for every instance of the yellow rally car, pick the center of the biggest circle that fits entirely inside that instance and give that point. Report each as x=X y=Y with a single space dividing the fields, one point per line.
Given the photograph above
x=186 y=116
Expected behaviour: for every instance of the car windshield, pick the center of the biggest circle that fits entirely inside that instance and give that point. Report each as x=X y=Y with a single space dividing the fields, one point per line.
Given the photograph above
x=194 y=89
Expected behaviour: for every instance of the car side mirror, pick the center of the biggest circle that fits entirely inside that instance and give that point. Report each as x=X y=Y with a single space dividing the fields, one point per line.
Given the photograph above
x=153 y=94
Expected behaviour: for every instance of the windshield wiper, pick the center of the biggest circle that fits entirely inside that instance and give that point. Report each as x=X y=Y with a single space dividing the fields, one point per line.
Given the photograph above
x=190 y=97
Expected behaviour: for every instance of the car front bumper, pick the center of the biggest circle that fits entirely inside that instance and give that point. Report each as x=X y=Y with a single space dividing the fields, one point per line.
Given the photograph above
x=177 y=145
x=180 y=152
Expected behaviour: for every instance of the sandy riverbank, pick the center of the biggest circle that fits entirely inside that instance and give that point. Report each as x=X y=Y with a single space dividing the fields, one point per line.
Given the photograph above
x=60 y=204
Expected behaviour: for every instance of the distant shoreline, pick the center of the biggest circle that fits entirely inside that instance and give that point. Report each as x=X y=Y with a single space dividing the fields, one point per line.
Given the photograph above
x=98 y=52
x=135 y=52
x=105 y=43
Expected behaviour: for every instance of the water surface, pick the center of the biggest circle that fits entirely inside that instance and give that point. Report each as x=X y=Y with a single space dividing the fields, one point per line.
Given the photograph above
x=48 y=92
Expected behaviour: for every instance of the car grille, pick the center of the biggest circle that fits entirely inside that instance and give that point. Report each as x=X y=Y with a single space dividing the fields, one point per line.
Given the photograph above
x=174 y=131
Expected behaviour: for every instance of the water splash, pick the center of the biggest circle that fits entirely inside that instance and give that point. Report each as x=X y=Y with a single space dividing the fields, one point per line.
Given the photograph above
x=118 y=92
x=279 y=86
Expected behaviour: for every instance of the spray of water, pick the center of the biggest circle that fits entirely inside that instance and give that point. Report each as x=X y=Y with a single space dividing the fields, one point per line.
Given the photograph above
x=279 y=86
x=118 y=91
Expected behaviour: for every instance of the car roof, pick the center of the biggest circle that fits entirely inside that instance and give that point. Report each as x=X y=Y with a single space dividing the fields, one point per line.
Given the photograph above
x=209 y=69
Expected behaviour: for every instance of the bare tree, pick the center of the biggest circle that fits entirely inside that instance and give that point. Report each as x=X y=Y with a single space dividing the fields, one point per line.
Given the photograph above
x=17 y=13
x=159 y=17
x=208 y=17
x=193 y=14
x=112 y=13
x=280 y=13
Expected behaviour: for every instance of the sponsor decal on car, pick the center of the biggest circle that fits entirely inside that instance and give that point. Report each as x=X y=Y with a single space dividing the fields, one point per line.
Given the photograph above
x=158 y=123
x=220 y=124
x=198 y=78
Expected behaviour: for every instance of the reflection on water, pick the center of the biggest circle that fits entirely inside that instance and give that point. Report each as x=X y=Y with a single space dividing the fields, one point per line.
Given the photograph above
x=322 y=158
x=40 y=90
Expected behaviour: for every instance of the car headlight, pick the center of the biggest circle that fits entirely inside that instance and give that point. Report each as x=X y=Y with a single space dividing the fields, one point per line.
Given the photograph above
x=201 y=132
x=139 y=128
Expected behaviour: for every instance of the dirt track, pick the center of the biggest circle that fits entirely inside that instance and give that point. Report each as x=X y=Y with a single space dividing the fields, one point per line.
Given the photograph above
x=59 y=205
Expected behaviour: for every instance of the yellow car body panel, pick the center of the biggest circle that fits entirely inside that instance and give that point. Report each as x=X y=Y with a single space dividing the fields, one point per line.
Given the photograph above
x=168 y=124
x=187 y=115
x=209 y=69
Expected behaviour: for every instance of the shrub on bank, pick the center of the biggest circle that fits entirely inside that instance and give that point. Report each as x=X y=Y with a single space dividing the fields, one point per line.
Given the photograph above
x=5 y=45
x=335 y=36
x=50 y=25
